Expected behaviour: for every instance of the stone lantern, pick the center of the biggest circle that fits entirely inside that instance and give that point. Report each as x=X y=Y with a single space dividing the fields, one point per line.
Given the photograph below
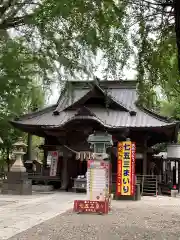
x=19 y=149
x=99 y=142
x=17 y=181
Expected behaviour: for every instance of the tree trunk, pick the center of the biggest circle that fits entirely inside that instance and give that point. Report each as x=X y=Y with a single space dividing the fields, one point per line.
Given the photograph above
x=176 y=4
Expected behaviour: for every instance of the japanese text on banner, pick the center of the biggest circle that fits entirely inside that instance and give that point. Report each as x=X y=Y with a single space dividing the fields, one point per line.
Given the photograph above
x=119 y=168
x=133 y=158
x=126 y=169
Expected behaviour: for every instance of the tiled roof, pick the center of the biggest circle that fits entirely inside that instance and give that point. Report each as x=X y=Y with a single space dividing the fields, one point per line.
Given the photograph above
x=125 y=96
x=107 y=117
x=67 y=101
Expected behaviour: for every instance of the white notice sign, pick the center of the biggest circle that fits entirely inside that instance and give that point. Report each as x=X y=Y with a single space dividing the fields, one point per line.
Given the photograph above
x=54 y=162
x=97 y=180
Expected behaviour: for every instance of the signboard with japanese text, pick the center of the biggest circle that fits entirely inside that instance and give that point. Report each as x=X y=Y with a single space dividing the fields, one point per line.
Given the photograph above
x=91 y=206
x=119 y=168
x=126 y=168
x=98 y=188
x=133 y=164
x=54 y=162
x=97 y=180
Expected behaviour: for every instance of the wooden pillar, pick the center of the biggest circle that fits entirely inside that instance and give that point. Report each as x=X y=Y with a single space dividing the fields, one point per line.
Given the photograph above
x=145 y=158
x=161 y=171
x=45 y=153
x=64 y=172
x=45 y=158
x=169 y=172
x=160 y=176
x=179 y=175
x=174 y=173
x=29 y=147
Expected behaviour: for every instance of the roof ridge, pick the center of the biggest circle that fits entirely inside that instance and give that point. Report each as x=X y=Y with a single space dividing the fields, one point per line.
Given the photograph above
x=63 y=90
x=101 y=81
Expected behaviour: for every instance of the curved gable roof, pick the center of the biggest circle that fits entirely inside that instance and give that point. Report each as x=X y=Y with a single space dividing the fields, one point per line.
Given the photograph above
x=81 y=95
x=123 y=93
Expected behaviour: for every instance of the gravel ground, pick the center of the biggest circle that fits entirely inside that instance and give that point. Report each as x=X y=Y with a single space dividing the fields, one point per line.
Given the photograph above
x=150 y=218
x=4 y=203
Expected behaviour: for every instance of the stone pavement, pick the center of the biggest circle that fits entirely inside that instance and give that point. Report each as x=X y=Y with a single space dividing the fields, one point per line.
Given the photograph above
x=18 y=213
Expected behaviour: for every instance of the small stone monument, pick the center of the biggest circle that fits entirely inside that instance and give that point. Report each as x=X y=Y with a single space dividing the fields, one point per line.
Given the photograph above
x=17 y=181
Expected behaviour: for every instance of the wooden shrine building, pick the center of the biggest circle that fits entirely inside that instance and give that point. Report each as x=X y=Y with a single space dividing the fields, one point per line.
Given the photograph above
x=85 y=107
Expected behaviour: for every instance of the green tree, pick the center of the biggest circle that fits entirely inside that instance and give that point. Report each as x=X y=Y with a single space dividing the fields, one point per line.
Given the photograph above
x=155 y=35
x=62 y=38
x=65 y=36
x=16 y=105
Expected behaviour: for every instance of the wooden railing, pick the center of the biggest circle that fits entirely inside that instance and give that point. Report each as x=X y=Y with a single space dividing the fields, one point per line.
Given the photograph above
x=148 y=184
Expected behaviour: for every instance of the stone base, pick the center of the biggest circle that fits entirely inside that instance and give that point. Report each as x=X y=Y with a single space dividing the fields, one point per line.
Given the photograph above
x=125 y=198
x=174 y=193
x=42 y=188
x=17 y=183
x=16 y=176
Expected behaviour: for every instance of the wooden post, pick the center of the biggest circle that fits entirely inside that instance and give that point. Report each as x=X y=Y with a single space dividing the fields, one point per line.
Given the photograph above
x=64 y=172
x=45 y=158
x=45 y=154
x=174 y=173
x=179 y=176
x=145 y=158
x=29 y=147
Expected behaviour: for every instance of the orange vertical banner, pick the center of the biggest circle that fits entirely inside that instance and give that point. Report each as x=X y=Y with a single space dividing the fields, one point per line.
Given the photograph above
x=119 y=168
x=126 y=168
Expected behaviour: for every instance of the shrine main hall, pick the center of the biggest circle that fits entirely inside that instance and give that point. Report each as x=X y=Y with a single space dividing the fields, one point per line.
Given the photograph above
x=87 y=106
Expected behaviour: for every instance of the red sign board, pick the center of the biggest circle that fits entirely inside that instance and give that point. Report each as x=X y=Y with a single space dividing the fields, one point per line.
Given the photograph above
x=91 y=206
